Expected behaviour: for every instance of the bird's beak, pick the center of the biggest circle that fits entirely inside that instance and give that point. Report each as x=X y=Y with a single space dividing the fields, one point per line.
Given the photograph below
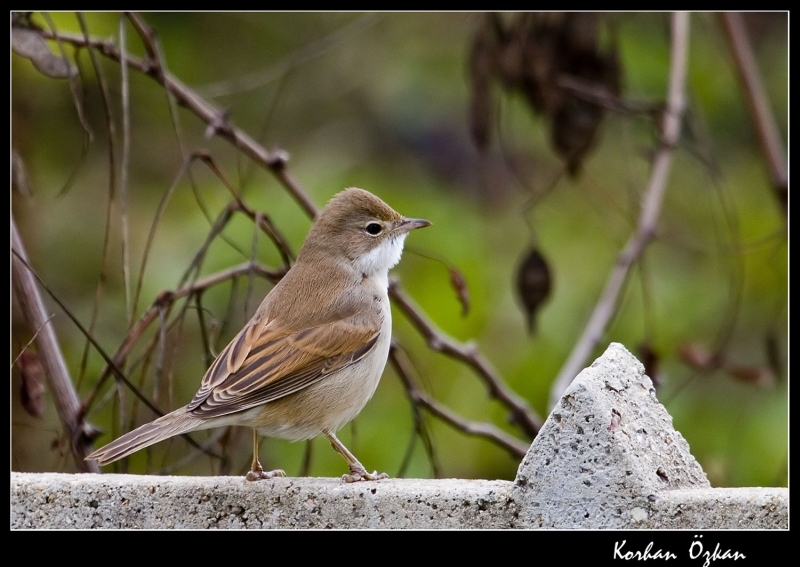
x=407 y=225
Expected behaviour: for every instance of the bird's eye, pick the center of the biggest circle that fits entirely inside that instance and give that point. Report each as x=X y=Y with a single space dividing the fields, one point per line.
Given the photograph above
x=374 y=229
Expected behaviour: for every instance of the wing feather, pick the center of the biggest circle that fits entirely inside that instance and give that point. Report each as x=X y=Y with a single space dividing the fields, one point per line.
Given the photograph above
x=265 y=362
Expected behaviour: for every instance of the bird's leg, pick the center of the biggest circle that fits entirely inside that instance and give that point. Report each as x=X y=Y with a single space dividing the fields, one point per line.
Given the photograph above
x=357 y=470
x=257 y=472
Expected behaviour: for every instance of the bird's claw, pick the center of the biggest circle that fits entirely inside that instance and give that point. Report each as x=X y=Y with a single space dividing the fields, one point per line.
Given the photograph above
x=261 y=474
x=359 y=475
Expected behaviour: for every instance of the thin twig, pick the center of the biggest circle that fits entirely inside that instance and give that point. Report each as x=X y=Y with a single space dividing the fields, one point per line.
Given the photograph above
x=602 y=96
x=162 y=204
x=768 y=134
x=274 y=161
x=29 y=343
x=167 y=298
x=260 y=219
x=302 y=55
x=645 y=231
x=124 y=168
x=111 y=143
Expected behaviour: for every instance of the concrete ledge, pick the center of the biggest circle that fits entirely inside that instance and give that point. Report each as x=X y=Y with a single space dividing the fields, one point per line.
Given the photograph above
x=54 y=500
x=606 y=457
x=721 y=508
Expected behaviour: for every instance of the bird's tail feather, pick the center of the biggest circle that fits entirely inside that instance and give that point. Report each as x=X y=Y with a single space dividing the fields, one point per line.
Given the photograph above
x=174 y=423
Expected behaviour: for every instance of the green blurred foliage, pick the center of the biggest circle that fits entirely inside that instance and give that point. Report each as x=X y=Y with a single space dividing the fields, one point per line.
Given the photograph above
x=380 y=101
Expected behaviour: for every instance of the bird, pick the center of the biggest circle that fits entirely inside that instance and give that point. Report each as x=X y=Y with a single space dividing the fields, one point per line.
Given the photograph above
x=311 y=357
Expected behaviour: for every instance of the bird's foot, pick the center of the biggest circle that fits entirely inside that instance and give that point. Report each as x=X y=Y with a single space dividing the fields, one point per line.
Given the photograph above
x=359 y=474
x=257 y=473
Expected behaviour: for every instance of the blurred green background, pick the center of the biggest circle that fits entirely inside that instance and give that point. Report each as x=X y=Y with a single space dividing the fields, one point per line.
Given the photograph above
x=380 y=101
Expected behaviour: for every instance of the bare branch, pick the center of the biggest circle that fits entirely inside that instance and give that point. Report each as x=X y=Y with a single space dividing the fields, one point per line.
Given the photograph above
x=521 y=413
x=274 y=161
x=654 y=194
x=514 y=446
x=260 y=219
x=764 y=120
x=66 y=398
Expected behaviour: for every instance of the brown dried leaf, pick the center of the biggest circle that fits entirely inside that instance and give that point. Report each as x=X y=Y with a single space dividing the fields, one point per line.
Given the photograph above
x=757 y=375
x=460 y=285
x=539 y=51
x=534 y=282
x=29 y=44
x=573 y=130
x=698 y=357
x=32 y=390
x=531 y=61
x=576 y=119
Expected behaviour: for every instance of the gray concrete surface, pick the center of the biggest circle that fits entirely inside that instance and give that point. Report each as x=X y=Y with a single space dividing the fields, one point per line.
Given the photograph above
x=606 y=457
x=604 y=451
x=127 y=501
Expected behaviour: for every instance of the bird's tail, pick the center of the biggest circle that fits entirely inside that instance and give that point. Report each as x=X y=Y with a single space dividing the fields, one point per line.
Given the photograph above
x=174 y=423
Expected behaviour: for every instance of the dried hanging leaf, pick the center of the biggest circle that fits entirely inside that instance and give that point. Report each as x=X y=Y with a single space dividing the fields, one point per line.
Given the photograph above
x=533 y=285
x=573 y=131
x=460 y=285
x=757 y=375
x=577 y=117
x=29 y=44
x=32 y=390
x=555 y=61
x=535 y=46
x=698 y=357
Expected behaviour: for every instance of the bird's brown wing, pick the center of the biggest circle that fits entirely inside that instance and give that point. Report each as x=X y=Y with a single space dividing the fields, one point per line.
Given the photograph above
x=265 y=362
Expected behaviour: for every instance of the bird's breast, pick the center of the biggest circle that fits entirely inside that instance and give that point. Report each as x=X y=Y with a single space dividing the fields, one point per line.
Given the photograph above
x=338 y=398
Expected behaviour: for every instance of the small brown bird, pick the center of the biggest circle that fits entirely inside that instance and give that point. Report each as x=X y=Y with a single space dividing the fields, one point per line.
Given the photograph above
x=312 y=355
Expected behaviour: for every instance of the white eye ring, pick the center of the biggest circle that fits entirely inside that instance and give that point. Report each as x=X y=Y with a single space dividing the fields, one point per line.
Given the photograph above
x=373 y=229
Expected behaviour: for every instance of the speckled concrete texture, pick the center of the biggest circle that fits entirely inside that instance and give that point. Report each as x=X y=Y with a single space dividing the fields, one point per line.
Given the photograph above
x=720 y=508
x=605 y=450
x=55 y=500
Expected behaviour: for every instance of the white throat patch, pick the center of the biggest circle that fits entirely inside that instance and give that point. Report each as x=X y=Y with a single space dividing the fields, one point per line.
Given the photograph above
x=382 y=258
